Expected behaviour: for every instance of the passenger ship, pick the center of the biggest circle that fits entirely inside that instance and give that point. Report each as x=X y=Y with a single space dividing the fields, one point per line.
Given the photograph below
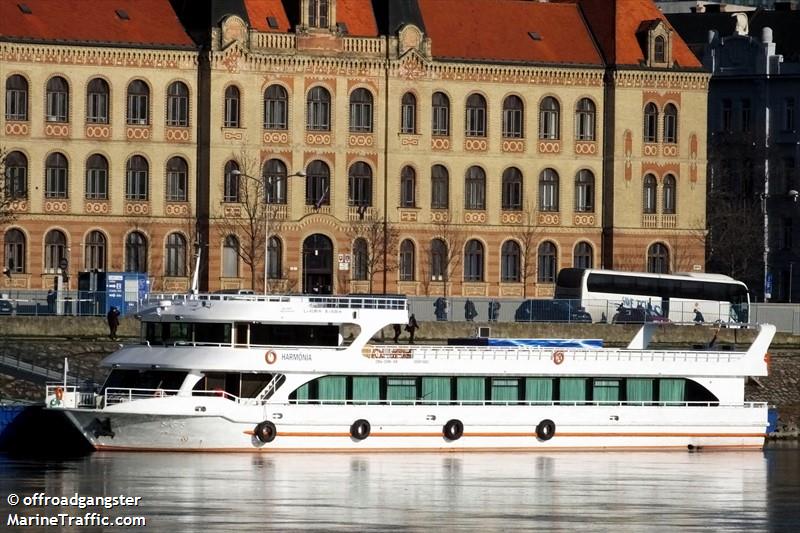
x=231 y=372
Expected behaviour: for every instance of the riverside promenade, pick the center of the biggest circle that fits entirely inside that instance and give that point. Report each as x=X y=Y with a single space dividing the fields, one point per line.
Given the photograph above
x=44 y=342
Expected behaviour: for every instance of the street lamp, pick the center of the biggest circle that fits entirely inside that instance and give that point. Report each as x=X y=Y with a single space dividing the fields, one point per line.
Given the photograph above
x=267 y=182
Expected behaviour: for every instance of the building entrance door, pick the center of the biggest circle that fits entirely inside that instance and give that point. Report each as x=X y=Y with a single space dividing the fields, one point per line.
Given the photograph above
x=317 y=265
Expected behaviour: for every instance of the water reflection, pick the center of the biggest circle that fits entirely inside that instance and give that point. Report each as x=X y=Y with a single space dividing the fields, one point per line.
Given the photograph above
x=751 y=491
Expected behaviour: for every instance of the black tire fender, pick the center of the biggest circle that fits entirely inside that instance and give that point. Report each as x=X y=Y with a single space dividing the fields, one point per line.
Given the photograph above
x=453 y=429
x=360 y=429
x=266 y=431
x=545 y=429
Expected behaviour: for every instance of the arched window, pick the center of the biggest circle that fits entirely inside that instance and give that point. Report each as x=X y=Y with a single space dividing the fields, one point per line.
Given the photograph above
x=317 y=184
x=512 y=189
x=97 y=96
x=547 y=263
x=55 y=249
x=513 y=117
x=650 y=123
x=275 y=178
x=56 y=176
x=177 y=179
x=361 y=111
x=649 y=194
x=230 y=191
x=275 y=258
x=510 y=270
x=408 y=186
x=408 y=114
x=138 y=103
x=659 y=50
x=407 y=260
x=658 y=259
x=318 y=113
x=441 y=114
x=669 y=195
x=670 y=124
x=475 y=188
x=360 y=259
x=583 y=256
x=177 y=104
x=57 y=104
x=95 y=251
x=276 y=108
x=137 y=172
x=585 y=120
x=549 y=119
x=14 y=259
x=475 y=116
x=135 y=252
x=318 y=13
x=230 y=257
x=16 y=98
x=439 y=260
x=473 y=261
x=175 y=255
x=360 y=184
x=16 y=175
x=548 y=190
x=97 y=177
x=440 y=187
x=232 y=107
x=584 y=191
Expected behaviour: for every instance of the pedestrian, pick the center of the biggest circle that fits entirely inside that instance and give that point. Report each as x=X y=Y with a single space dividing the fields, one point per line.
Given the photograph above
x=494 y=310
x=469 y=310
x=411 y=327
x=397 y=330
x=440 y=308
x=113 y=322
x=51 y=301
x=698 y=316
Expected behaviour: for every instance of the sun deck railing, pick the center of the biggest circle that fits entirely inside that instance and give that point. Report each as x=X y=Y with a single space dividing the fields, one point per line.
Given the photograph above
x=328 y=302
x=515 y=403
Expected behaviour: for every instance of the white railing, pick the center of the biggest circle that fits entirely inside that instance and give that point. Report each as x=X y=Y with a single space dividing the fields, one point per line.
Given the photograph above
x=283 y=41
x=116 y=395
x=553 y=403
x=330 y=302
x=364 y=45
x=57 y=395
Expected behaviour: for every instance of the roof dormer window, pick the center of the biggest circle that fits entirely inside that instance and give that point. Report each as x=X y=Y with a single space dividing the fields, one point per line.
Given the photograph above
x=318 y=13
x=656 y=39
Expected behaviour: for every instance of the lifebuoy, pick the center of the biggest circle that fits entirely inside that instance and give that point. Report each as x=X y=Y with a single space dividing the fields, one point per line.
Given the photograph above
x=270 y=357
x=558 y=357
x=453 y=429
x=546 y=429
x=266 y=431
x=359 y=429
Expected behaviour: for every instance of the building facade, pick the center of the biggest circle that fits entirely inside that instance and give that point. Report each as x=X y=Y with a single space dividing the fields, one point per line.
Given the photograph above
x=422 y=147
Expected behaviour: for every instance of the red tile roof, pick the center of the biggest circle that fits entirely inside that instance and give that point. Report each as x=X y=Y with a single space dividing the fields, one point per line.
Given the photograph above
x=151 y=22
x=358 y=16
x=259 y=10
x=615 y=23
x=498 y=30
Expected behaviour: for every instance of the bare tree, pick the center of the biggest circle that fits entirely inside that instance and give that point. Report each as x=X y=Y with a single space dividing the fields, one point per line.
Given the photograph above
x=528 y=235
x=451 y=233
x=735 y=239
x=381 y=240
x=10 y=190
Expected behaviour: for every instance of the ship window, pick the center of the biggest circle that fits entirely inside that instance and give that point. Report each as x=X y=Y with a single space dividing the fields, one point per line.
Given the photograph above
x=469 y=389
x=671 y=390
x=605 y=390
x=293 y=335
x=401 y=390
x=144 y=379
x=505 y=390
x=539 y=389
x=436 y=389
x=572 y=390
x=302 y=394
x=167 y=333
x=365 y=389
x=215 y=333
x=332 y=388
x=639 y=390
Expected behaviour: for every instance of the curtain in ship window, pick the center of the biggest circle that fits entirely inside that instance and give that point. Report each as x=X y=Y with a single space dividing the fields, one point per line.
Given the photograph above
x=505 y=390
x=470 y=390
x=605 y=390
x=573 y=390
x=639 y=390
x=302 y=394
x=401 y=389
x=671 y=390
x=366 y=389
x=539 y=389
x=332 y=388
x=436 y=389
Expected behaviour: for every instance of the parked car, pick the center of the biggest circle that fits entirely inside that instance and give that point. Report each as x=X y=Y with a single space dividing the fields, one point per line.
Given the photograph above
x=550 y=311
x=637 y=315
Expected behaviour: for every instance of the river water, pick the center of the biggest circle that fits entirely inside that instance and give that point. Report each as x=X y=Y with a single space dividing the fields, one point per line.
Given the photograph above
x=564 y=491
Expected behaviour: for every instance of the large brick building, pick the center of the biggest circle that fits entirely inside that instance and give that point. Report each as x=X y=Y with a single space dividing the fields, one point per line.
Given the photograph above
x=418 y=146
